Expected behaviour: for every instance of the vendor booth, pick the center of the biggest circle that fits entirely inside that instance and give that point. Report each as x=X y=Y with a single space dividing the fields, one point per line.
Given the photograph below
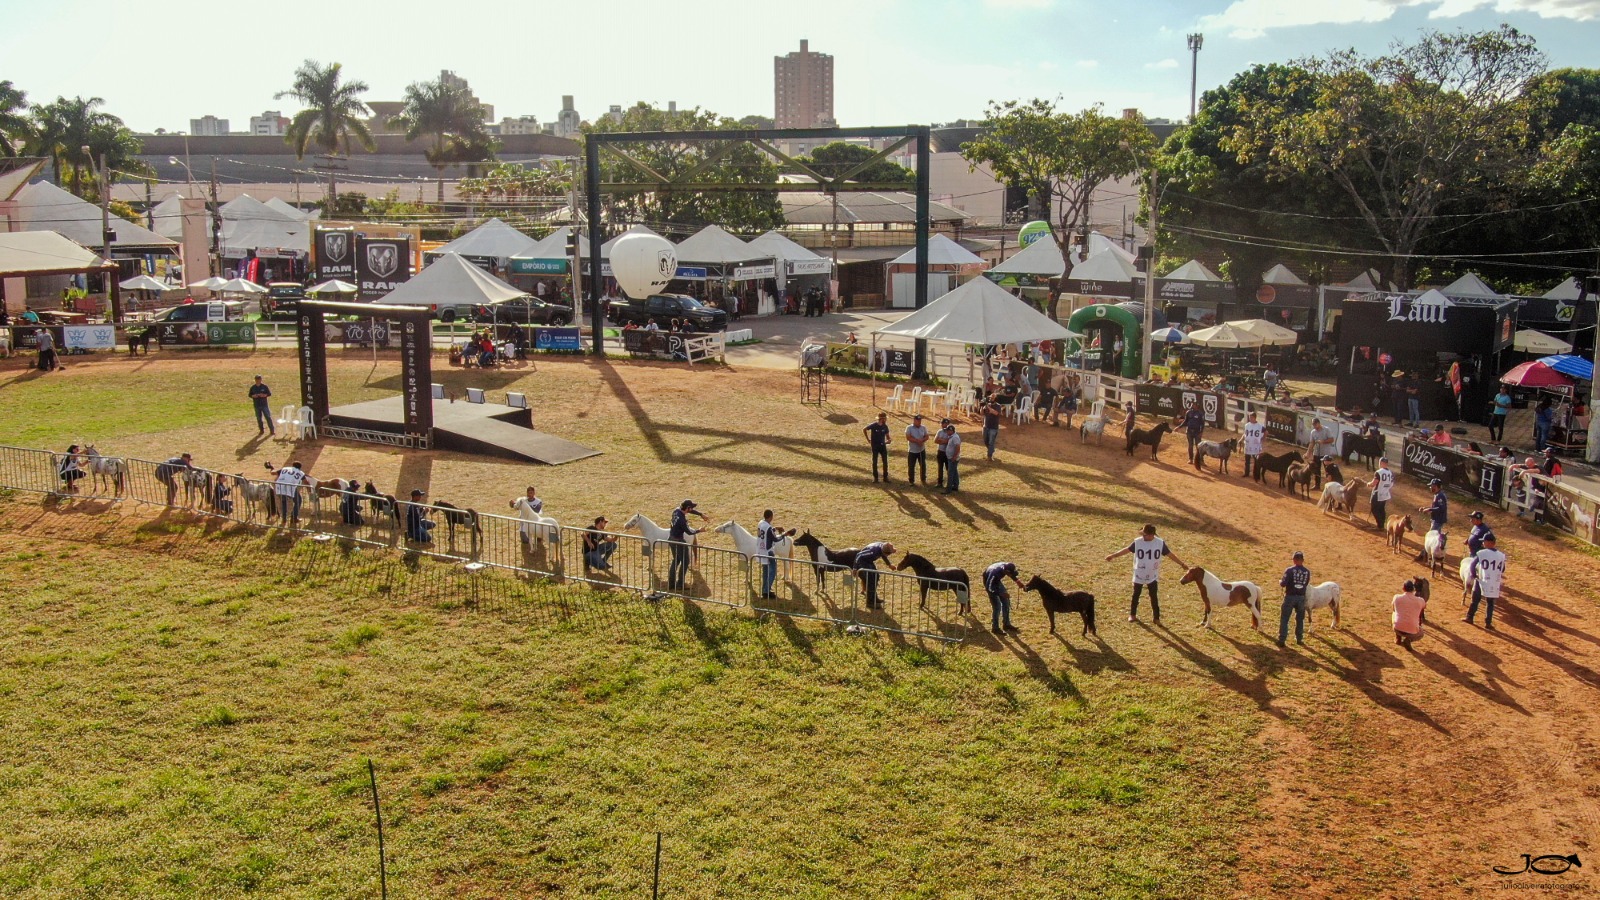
x=490 y=247
x=948 y=263
x=1113 y=337
x=1443 y=351
x=1032 y=271
x=724 y=271
x=800 y=274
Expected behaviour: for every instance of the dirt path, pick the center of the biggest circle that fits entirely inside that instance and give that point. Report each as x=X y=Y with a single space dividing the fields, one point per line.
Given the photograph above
x=1384 y=773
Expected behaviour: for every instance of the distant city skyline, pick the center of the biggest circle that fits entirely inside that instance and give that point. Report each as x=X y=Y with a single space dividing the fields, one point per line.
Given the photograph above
x=895 y=61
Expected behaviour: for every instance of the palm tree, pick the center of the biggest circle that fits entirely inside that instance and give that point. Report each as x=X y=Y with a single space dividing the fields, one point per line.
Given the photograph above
x=13 y=124
x=454 y=119
x=333 y=113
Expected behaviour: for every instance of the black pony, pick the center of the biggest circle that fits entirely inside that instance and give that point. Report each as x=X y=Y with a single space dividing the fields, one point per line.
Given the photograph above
x=1151 y=436
x=930 y=574
x=841 y=558
x=1059 y=601
x=1277 y=462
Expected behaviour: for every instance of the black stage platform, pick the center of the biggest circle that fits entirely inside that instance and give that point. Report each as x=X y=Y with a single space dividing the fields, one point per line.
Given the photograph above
x=484 y=428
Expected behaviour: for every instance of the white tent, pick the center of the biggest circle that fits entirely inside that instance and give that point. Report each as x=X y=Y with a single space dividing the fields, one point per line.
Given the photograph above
x=1105 y=267
x=1470 y=285
x=41 y=206
x=605 y=249
x=143 y=283
x=1432 y=298
x=451 y=280
x=1099 y=243
x=1042 y=257
x=1530 y=341
x=45 y=253
x=780 y=247
x=1270 y=334
x=240 y=286
x=1225 y=336
x=167 y=217
x=493 y=239
x=941 y=252
x=249 y=224
x=1366 y=281
x=1193 y=270
x=1568 y=290
x=554 y=245
x=290 y=209
x=713 y=246
x=1280 y=274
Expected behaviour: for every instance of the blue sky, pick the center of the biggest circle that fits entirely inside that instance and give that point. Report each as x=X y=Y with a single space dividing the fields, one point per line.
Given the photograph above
x=896 y=61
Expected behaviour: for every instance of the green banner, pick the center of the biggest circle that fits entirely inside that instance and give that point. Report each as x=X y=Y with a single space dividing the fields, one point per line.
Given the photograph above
x=230 y=333
x=538 y=266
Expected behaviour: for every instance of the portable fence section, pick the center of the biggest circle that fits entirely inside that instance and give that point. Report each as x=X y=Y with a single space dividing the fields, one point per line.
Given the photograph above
x=807 y=590
x=707 y=574
x=627 y=560
x=35 y=471
x=904 y=603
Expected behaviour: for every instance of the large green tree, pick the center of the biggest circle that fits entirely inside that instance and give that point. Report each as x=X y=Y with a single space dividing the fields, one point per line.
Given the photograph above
x=1448 y=117
x=75 y=134
x=13 y=120
x=840 y=158
x=452 y=119
x=1059 y=159
x=334 y=113
x=714 y=162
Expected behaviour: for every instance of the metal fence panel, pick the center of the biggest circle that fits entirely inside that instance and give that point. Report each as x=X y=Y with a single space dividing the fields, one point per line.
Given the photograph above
x=808 y=590
x=631 y=561
x=22 y=469
x=909 y=604
x=711 y=574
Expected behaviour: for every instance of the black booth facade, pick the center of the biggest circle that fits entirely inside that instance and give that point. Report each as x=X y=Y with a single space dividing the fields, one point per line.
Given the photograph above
x=1388 y=343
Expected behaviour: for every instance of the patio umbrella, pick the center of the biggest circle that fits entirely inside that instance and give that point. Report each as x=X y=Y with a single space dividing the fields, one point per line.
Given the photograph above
x=210 y=284
x=1271 y=335
x=1575 y=366
x=333 y=286
x=1224 y=336
x=146 y=283
x=240 y=286
x=1170 y=335
x=1535 y=375
x=1530 y=341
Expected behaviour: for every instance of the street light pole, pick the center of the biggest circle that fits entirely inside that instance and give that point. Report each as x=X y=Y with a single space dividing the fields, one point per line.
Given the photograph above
x=1195 y=40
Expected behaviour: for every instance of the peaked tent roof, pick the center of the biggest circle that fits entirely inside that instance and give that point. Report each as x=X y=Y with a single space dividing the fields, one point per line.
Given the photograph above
x=554 y=245
x=16 y=172
x=45 y=253
x=1099 y=242
x=168 y=218
x=1105 y=266
x=1432 y=298
x=289 y=209
x=41 y=206
x=780 y=247
x=605 y=249
x=1470 y=285
x=1566 y=290
x=979 y=312
x=451 y=279
x=249 y=224
x=1366 y=281
x=944 y=252
x=714 y=246
x=1042 y=257
x=494 y=239
x=1280 y=274
x=1193 y=270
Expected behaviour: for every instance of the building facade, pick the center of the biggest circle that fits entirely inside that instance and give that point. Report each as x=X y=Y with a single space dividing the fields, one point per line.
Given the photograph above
x=208 y=126
x=270 y=122
x=803 y=89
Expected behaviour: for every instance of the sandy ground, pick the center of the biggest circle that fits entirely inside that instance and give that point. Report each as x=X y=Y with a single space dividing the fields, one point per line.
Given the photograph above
x=1388 y=773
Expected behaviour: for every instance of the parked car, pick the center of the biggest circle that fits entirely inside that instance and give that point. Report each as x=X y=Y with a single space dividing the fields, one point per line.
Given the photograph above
x=666 y=307
x=210 y=311
x=525 y=311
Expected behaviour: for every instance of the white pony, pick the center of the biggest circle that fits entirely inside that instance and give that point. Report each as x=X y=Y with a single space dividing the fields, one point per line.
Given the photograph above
x=1433 y=549
x=750 y=546
x=1339 y=497
x=653 y=533
x=253 y=494
x=110 y=469
x=1216 y=592
x=538 y=528
x=1469 y=574
x=1322 y=595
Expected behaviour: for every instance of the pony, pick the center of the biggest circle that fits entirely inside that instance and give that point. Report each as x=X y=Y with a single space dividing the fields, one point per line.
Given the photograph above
x=253 y=494
x=1330 y=472
x=1151 y=436
x=385 y=505
x=822 y=558
x=1277 y=462
x=932 y=577
x=1433 y=551
x=139 y=339
x=109 y=469
x=541 y=529
x=1058 y=601
x=466 y=518
x=1396 y=527
x=1322 y=595
x=654 y=534
x=1223 y=593
x=750 y=546
x=196 y=486
x=1301 y=475
x=1336 y=496
x=1469 y=574
x=1095 y=425
x=1368 y=447
x=1219 y=450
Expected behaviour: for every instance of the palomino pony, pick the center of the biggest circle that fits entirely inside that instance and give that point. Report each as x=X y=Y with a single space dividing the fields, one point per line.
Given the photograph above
x=1214 y=590
x=654 y=534
x=822 y=557
x=109 y=469
x=930 y=576
x=749 y=546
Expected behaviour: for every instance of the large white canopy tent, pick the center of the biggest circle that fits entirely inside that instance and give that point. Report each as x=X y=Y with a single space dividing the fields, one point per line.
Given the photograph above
x=713 y=246
x=1042 y=258
x=248 y=224
x=790 y=260
x=41 y=206
x=941 y=252
x=493 y=239
x=452 y=280
x=978 y=312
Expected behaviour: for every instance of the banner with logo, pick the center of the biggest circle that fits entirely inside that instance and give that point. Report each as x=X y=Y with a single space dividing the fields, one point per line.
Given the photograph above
x=556 y=339
x=382 y=264
x=753 y=273
x=655 y=343
x=336 y=253
x=1479 y=476
x=1282 y=424
x=1570 y=511
x=1166 y=401
x=205 y=334
x=847 y=356
x=416 y=344
x=361 y=333
x=26 y=337
x=809 y=266
x=530 y=266
x=89 y=337
x=893 y=362
x=313 y=361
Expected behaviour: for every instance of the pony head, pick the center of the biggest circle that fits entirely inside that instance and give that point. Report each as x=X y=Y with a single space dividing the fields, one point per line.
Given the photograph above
x=1194 y=574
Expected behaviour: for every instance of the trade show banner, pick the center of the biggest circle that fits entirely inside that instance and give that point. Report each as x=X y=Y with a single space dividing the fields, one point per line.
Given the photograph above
x=205 y=334
x=336 y=253
x=1479 y=476
x=416 y=344
x=26 y=337
x=529 y=266
x=893 y=362
x=655 y=343
x=847 y=356
x=230 y=333
x=382 y=264
x=89 y=337
x=1165 y=401
x=361 y=333
x=556 y=339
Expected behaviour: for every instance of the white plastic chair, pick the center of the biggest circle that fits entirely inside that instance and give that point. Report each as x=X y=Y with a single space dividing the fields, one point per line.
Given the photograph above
x=306 y=423
x=1023 y=409
x=914 y=404
x=475 y=395
x=516 y=400
x=896 y=398
x=438 y=391
x=289 y=421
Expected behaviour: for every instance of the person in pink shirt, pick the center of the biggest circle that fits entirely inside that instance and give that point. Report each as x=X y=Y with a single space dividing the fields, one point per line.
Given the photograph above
x=1408 y=609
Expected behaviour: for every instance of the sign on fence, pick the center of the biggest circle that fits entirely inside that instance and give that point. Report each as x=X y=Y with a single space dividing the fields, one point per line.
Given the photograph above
x=27 y=336
x=1165 y=401
x=847 y=356
x=1477 y=475
x=89 y=337
x=893 y=362
x=1570 y=511
x=656 y=343
x=556 y=339
x=205 y=334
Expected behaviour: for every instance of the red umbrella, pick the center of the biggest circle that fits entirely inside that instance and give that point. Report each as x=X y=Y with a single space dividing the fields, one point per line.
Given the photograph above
x=1535 y=375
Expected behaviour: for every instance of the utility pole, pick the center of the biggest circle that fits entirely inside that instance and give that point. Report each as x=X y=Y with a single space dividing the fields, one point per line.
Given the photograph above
x=1590 y=290
x=1148 y=252
x=216 y=224
x=1195 y=40
x=113 y=302
x=576 y=243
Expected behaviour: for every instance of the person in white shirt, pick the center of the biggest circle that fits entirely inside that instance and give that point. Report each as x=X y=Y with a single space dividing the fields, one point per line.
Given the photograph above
x=1382 y=487
x=1255 y=435
x=1148 y=552
x=1321 y=442
x=530 y=509
x=916 y=453
x=287 y=487
x=1489 y=569
x=767 y=537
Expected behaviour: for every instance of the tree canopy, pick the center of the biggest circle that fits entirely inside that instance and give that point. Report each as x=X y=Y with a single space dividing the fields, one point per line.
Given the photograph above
x=840 y=157
x=449 y=115
x=74 y=134
x=333 y=114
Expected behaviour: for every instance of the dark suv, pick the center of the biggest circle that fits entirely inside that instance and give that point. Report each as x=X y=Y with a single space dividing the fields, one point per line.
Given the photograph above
x=666 y=307
x=279 y=304
x=524 y=311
